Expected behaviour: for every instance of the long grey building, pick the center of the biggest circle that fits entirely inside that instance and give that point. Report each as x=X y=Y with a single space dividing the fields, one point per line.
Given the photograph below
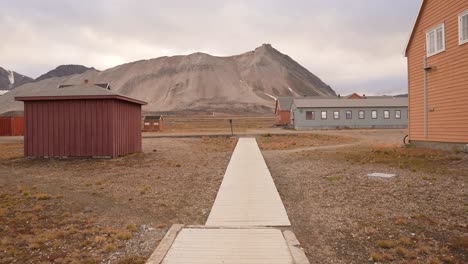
x=349 y=113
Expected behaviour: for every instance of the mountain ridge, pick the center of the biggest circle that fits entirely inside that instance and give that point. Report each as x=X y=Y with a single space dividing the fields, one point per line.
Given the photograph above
x=247 y=82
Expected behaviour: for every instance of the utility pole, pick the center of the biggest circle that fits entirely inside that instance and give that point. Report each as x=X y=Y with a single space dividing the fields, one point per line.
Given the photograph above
x=232 y=131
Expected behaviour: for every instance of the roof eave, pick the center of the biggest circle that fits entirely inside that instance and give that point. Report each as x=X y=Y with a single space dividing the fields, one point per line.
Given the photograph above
x=405 y=52
x=79 y=97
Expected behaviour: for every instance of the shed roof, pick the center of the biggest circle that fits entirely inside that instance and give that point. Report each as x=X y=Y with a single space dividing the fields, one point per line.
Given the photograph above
x=80 y=91
x=326 y=103
x=153 y=117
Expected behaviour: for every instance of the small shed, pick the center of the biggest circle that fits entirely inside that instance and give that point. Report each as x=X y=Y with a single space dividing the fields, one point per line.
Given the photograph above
x=12 y=123
x=153 y=123
x=86 y=120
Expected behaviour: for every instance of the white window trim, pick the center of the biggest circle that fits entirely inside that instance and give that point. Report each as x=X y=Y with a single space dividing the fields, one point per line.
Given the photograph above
x=460 y=40
x=434 y=29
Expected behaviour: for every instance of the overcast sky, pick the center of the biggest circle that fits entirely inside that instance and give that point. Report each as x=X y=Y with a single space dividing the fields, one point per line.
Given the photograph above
x=353 y=45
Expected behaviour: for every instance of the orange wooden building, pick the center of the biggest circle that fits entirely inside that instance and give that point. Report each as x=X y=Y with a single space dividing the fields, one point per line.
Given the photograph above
x=437 y=54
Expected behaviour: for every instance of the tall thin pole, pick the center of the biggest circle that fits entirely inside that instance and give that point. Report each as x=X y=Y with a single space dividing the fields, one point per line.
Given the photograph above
x=425 y=96
x=232 y=131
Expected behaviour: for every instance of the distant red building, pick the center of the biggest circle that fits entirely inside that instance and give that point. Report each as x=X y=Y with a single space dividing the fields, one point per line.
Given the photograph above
x=87 y=120
x=355 y=96
x=11 y=124
x=153 y=123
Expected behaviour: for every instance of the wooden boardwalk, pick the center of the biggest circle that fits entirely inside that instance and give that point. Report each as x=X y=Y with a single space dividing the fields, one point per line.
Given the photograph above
x=229 y=246
x=248 y=195
x=242 y=227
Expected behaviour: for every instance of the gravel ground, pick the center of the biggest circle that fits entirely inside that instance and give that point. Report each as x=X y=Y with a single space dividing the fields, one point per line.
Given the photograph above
x=100 y=211
x=340 y=215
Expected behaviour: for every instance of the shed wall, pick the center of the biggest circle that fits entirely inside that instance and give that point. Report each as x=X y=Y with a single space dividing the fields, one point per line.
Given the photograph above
x=447 y=81
x=283 y=118
x=126 y=128
x=79 y=128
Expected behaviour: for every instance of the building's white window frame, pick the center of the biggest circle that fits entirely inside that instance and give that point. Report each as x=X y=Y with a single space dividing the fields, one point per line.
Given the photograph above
x=376 y=114
x=363 y=114
x=434 y=32
x=462 y=41
x=350 y=116
x=386 y=114
x=336 y=114
x=323 y=116
x=397 y=114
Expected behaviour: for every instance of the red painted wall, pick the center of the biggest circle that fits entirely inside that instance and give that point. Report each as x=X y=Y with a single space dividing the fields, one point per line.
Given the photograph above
x=283 y=118
x=81 y=128
x=11 y=126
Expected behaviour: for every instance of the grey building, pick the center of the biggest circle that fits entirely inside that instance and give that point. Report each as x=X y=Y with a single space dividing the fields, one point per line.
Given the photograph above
x=349 y=113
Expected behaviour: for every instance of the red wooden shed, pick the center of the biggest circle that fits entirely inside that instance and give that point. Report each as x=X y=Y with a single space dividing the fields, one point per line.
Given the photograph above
x=87 y=120
x=153 y=123
x=11 y=124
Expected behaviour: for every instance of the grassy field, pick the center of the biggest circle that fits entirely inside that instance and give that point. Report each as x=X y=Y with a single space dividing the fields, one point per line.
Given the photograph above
x=115 y=210
x=340 y=215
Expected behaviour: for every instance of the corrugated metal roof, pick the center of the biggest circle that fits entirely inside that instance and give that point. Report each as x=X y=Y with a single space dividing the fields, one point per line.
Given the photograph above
x=79 y=91
x=391 y=102
x=71 y=90
x=284 y=103
x=156 y=117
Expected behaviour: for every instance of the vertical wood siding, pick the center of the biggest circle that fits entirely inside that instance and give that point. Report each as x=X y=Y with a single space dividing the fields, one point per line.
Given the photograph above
x=126 y=127
x=11 y=126
x=82 y=128
x=447 y=81
x=283 y=118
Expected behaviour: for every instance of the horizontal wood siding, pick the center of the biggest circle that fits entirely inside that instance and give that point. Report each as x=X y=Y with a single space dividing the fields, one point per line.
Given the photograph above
x=447 y=81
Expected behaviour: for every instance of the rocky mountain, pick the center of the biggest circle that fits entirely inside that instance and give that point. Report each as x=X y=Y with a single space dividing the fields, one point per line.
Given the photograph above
x=64 y=70
x=248 y=82
x=11 y=79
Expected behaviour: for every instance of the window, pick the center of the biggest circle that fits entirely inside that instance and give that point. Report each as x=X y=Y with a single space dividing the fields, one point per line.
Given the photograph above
x=349 y=114
x=374 y=114
x=386 y=114
x=336 y=115
x=397 y=114
x=310 y=115
x=463 y=27
x=324 y=114
x=435 y=40
x=362 y=114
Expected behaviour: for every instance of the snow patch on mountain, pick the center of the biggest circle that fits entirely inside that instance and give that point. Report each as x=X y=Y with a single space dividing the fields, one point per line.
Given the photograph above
x=11 y=77
x=274 y=98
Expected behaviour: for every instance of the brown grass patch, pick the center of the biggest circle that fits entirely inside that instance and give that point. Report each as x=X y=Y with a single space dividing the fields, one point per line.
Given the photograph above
x=283 y=142
x=386 y=243
x=413 y=159
x=381 y=257
x=11 y=151
x=459 y=242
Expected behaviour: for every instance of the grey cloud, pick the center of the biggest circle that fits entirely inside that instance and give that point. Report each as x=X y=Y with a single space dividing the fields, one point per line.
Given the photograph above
x=346 y=43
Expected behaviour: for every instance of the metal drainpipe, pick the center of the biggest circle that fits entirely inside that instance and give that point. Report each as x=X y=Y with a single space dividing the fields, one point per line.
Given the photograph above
x=426 y=69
